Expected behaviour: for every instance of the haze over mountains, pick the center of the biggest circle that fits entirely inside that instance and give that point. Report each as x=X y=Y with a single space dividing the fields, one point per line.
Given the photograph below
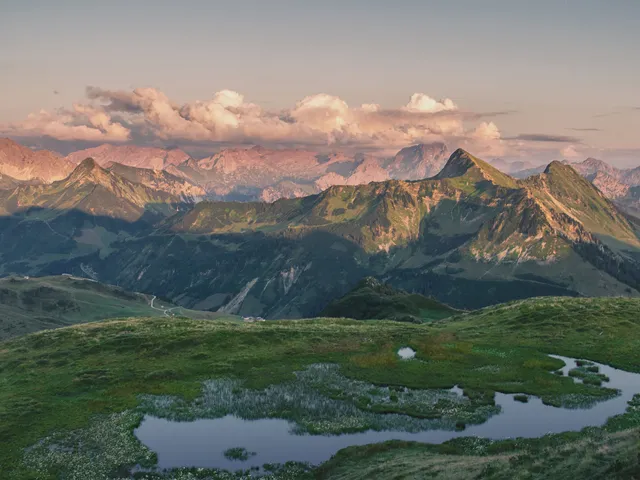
x=233 y=174
x=23 y=163
x=469 y=236
x=257 y=173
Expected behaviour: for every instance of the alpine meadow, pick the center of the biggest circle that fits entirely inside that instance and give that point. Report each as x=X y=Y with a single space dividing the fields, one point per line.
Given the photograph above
x=332 y=275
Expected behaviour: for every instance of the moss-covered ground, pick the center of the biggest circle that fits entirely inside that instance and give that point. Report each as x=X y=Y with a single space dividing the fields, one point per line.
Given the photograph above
x=59 y=381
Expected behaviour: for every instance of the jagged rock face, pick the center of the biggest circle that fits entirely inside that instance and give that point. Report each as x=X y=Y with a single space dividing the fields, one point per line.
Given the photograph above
x=419 y=161
x=22 y=163
x=614 y=183
x=260 y=173
x=132 y=156
x=610 y=186
x=592 y=168
x=368 y=170
x=161 y=180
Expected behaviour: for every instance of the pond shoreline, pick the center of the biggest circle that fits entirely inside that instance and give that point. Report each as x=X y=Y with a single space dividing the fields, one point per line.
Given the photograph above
x=201 y=443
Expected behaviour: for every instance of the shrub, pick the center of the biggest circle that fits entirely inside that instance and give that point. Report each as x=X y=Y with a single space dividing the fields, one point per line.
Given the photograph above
x=238 y=453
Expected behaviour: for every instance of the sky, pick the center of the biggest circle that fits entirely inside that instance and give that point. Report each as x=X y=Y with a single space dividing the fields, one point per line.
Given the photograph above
x=504 y=78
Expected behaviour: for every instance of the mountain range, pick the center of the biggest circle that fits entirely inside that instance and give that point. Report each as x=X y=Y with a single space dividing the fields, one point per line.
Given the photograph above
x=236 y=174
x=260 y=174
x=469 y=236
x=620 y=185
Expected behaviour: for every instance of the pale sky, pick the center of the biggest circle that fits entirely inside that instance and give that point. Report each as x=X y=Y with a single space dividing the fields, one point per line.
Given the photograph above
x=566 y=71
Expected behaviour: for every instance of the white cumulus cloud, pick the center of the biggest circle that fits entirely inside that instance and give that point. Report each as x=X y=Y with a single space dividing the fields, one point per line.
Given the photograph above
x=227 y=117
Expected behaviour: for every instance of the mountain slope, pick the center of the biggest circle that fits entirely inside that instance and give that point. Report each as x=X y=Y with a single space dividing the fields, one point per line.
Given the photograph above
x=8 y=183
x=22 y=163
x=88 y=212
x=160 y=180
x=372 y=299
x=32 y=304
x=131 y=156
x=561 y=189
x=471 y=236
x=418 y=161
x=93 y=190
x=614 y=183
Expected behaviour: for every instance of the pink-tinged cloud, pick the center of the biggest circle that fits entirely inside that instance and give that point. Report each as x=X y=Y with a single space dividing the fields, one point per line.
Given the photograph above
x=83 y=123
x=570 y=151
x=316 y=120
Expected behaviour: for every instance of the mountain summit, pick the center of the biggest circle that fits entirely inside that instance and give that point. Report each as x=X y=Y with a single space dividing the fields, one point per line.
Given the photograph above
x=463 y=164
x=131 y=155
x=23 y=163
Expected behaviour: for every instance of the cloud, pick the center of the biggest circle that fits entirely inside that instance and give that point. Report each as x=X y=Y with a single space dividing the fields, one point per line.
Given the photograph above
x=147 y=115
x=569 y=152
x=423 y=103
x=586 y=129
x=487 y=131
x=542 y=137
x=81 y=124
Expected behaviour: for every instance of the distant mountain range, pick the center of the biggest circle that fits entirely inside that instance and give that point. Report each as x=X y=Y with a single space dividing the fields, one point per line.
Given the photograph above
x=260 y=174
x=232 y=174
x=22 y=163
x=469 y=236
x=95 y=191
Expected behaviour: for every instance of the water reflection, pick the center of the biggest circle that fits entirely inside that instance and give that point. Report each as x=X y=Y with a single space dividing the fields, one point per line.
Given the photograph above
x=201 y=443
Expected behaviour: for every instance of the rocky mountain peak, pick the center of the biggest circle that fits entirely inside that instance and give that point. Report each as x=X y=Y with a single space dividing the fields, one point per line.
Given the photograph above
x=23 y=163
x=419 y=161
x=88 y=171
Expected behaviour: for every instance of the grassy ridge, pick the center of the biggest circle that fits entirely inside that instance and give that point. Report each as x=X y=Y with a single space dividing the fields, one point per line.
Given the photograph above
x=32 y=304
x=593 y=455
x=372 y=299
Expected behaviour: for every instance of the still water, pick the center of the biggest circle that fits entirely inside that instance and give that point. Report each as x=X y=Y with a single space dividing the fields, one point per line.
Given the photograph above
x=202 y=443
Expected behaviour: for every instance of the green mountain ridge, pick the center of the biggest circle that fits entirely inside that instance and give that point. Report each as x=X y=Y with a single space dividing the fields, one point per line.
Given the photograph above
x=470 y=236
x=371 y=299
x=94 y=190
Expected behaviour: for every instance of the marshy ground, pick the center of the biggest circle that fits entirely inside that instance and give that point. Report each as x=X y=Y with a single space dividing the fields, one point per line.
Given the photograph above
x=87 y=388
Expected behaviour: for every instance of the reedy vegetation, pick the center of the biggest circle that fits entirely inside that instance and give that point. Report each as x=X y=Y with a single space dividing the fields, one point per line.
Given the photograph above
x=56 y=381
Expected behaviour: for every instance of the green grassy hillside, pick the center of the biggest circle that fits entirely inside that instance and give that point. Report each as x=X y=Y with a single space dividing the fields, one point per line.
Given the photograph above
x=31 y=304
x=89 y=372
x=372 y=299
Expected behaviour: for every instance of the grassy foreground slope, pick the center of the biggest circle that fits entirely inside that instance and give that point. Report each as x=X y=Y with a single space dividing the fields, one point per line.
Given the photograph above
x=32 y=304
x=56 y=381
